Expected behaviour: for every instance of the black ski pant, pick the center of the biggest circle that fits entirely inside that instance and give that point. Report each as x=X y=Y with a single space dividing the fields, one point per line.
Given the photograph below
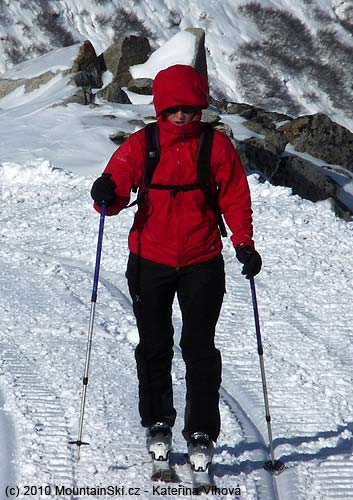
x=200 y=290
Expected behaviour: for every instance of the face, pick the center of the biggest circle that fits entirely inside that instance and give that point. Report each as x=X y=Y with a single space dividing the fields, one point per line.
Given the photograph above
x=179 y=115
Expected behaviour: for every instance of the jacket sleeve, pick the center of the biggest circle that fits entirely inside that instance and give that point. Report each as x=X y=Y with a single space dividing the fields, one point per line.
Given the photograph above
x=233 y=190
x=125 y=167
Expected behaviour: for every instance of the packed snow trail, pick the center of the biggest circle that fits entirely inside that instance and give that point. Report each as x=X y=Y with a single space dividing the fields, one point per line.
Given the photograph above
x=116 y=439
x=47 y=317
x=48 y=232
x=7 y=445
x=255 y=456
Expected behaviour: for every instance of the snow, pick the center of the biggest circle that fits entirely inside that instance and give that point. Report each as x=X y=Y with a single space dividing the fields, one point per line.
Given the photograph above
x=178 y=50
x=56 y=60
x=49 y=159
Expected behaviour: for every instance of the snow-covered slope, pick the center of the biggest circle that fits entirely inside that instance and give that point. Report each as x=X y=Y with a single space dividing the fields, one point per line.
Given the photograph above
x=48 y=236
x=294 y=57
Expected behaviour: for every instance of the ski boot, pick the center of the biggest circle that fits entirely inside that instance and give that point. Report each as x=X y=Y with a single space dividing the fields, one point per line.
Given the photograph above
x=200 y=451
x=159 y=441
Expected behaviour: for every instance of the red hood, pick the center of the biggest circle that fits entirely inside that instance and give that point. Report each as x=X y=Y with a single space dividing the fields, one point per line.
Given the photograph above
x=179 y=85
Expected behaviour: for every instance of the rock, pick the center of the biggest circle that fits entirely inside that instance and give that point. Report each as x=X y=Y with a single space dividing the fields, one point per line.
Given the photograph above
x=88 y=68
x=259 y=127
x=256 y=157
x=7 y=85
x=150 y=118
x=77 y=98
x=266 y=158
x=141 y=86
x=319 y=136
x=219 y=105
x=199 y=61
x=275 y=142
x=119 y=137
x=137 y=122
x=225 y=129
x=124 y=53
x=210 y=116
x=305 y=179
x=114 y=93
x=241 y=109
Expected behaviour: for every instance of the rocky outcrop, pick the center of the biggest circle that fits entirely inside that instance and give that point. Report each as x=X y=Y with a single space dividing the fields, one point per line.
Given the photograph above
x=247 y=111
x=88 y=71
x=141 y=86
x=126 y=52
x=264 y=152
x=305 y=179
x=114 y=93
x=7 y=85
x=199 y=61
x=88 y=68
x=319 y=136
x=267 y=156
x=281 y=169
x=118 y=58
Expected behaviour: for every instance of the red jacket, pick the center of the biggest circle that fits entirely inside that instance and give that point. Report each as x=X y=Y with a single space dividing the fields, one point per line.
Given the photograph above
x=182 y=229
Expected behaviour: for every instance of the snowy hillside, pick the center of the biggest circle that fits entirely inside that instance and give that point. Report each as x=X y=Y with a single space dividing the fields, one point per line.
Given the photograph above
x=50 y=155
x=293 y=57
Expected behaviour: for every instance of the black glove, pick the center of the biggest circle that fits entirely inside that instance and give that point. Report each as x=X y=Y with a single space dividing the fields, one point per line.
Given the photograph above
x=103 y=190
x=251 y=259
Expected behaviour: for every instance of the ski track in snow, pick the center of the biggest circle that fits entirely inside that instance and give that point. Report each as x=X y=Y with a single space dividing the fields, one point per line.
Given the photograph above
x=47 y=258
x=249 y=436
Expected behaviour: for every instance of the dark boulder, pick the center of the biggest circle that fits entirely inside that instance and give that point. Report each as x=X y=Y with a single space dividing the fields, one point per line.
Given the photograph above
x=268 y=159
x=142 y=86
x=119 y=137
x=319 y=136
x=305 y=179
x=88 y=68
x=114 y=93
x=124 y=53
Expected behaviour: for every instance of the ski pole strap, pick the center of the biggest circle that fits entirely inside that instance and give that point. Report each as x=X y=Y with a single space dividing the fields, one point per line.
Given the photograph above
x=98 y=254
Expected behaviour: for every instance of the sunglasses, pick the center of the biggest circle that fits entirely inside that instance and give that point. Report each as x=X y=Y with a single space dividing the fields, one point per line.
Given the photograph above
x=187 y=110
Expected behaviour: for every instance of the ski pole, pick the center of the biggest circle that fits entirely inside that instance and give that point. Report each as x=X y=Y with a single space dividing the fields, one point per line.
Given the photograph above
x=273 y=465
x=79 y=441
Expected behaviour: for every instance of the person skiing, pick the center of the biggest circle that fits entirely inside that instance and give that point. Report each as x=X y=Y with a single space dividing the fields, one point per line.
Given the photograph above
x=175 y=249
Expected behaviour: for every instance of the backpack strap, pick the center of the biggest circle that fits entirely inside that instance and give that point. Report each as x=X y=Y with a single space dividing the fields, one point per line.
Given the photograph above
x=152 y=160
x=152 y=152
x=204 y=173
x=203 y=170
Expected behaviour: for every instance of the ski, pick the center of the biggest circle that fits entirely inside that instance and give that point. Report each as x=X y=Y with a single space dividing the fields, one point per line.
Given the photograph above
x=202 y=482
x=162 y=471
